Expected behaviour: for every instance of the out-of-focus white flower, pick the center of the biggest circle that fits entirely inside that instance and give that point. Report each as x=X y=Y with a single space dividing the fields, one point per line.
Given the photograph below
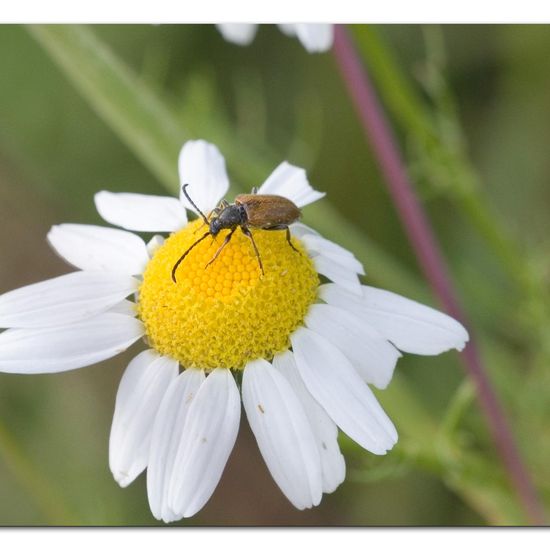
x=315 y=37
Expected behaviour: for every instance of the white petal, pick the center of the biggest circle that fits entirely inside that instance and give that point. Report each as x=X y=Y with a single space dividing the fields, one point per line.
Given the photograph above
x=332 y=251
x=315 y=37
x=288 y=28
x=238 y=33
x=411 y=326
x=299 y=229
x=335 y=384
x=167 y=433
x=208 y=437
x=139 y=395
x=94 y=248
x=202 y=166
x=141 y=212
x=63 y=300
x=154 y=244
x=283 y=433
x=291 y=182
x=369 y=352
x=324 y=429
x=126 y=307
x=31 y=351
x=336 y=272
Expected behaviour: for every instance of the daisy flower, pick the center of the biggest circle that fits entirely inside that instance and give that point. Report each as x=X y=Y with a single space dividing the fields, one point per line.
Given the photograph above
x=315 y=37
x=303 y=353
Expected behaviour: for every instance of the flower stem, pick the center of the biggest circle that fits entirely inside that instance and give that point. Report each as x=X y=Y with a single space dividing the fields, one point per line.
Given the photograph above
x=461 y=183
x=429 y=256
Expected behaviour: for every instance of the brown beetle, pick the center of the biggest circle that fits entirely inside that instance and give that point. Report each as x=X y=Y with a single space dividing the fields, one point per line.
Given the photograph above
x=269 y=212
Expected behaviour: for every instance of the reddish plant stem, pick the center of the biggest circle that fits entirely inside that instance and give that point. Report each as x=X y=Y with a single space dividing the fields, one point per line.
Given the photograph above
x=429 y=256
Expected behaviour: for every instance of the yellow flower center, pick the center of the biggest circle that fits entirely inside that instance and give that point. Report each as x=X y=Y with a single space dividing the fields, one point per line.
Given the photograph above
x=228 y=313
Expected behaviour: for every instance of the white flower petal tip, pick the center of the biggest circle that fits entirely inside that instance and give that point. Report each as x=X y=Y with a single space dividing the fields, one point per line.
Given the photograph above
x=283 y=433
x=338 y=388
x=241 y=34
x=167 y=433
x=139 y=395
x=67 y=347
x=202 y=166
x=65 y=299
x=291 y=182
x=207 y=440
x=410 y=326
x=137 y=212
x=94 y=248
x=124 y=478
x=315 y=37
x=436 y=332
x=325 y=431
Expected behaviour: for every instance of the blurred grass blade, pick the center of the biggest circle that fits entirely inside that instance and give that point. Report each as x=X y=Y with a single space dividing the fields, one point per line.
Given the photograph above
x=436 y=449
x=475 y=479
x=124 y=102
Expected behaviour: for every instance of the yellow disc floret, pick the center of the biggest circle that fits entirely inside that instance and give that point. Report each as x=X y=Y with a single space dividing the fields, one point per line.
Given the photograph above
x=228 y=313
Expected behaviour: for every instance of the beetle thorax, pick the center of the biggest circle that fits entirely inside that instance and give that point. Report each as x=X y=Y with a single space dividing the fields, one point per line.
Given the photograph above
x=230 y=217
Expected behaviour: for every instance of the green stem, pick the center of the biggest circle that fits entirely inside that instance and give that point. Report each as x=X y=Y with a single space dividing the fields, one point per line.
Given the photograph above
x=476 y=480
x=438 y=449
x=463 y=184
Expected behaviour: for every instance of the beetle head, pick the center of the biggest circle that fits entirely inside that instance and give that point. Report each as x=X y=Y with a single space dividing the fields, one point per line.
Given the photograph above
x=216 y=226
x=228 y=218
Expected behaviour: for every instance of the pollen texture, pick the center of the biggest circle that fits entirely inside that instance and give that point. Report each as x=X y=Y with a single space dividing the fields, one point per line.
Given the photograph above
x=228 y=313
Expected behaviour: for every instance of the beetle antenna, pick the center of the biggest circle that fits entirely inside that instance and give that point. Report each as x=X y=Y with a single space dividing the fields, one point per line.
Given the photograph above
x=182 y=257
x=196 y=207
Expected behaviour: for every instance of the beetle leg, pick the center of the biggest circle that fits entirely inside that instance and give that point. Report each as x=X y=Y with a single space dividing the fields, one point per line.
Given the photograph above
x=280 y=228
x=247 y=232
x=226 y=241
x=214 y=212
x=289 y=241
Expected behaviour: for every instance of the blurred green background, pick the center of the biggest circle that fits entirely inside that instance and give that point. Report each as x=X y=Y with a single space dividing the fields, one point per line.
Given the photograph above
x=470 y=107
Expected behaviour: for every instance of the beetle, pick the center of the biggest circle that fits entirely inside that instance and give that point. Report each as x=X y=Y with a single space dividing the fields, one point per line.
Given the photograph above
x=268 y=212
